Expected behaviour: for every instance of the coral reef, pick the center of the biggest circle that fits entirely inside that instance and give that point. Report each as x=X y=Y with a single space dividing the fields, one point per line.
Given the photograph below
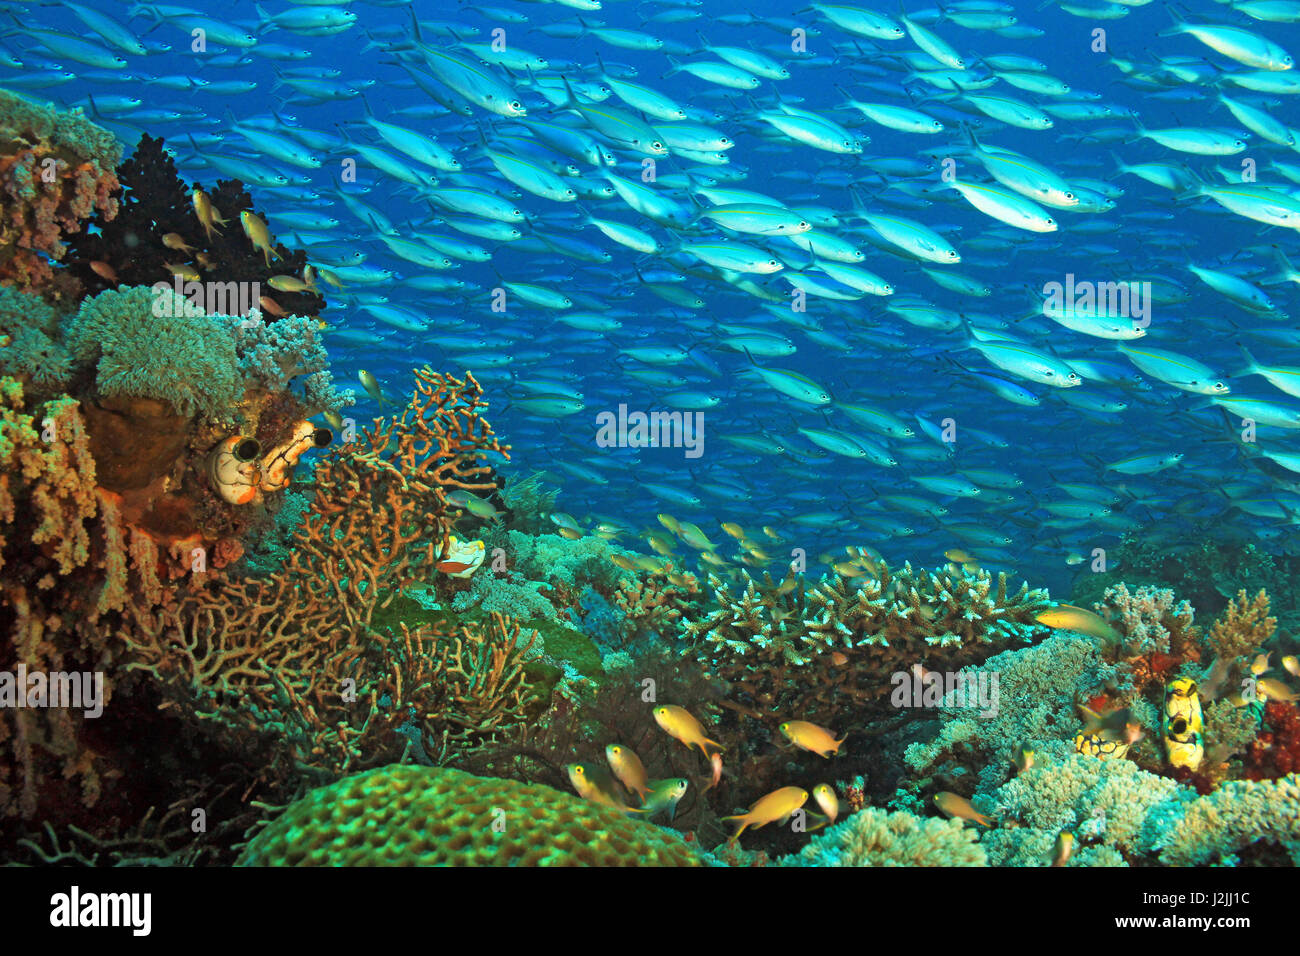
x=1139 y=816
x=873 y=837
x=1037 y=691
x=1244 y=627
x=419 y=816
x=157 y=209
x=826 y=652
x=56 y=170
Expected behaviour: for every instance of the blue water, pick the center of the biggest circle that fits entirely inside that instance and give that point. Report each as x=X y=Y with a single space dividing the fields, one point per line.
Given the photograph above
x=811 y=498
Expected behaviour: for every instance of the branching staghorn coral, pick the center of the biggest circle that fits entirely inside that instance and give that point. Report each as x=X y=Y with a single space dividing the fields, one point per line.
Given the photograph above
x=826 y=652
x=1244 y=627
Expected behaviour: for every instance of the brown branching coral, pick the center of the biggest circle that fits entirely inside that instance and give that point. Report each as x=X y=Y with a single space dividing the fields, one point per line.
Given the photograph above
x=1244 y=627
x=654 y=604
x=826 y=653
x=294 y=664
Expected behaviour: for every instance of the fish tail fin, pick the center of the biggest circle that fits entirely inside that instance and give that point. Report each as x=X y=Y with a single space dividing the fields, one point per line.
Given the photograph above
x=1251 y=367
x=674 y=66
x=1180 y=22
x=570 y=98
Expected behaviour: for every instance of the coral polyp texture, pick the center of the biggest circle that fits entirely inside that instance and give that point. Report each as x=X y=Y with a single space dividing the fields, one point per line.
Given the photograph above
x=873 y=837
x=827 y=650
x=57 y=169
x=424 y=816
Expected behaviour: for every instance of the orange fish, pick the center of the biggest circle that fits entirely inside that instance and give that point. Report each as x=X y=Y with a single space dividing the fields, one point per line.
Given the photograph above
x=810 y=737
x=777 y=805
x=955 y=806
x=677 y=722
x=452 y=567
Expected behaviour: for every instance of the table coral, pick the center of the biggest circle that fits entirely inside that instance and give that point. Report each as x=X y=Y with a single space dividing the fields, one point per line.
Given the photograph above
x=826 y=651
x=421 y=816
x=56 y=170
x=872 y=837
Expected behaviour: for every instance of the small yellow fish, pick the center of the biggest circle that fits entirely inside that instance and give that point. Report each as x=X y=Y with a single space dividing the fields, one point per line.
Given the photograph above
x=628 y=769
x=1024 y=759
x=677 y=722
x=669 y=522
x=1067 y=617
x=767 y=530
x=585 y=783
x=186 y=272
x=1292 y=665
x=1260 y=664
x=955 y=806
x=174 y=240
x=371 y=385
x=572 y=534
x=623 y=561
x=659 y=543
x=810 y=737
x=1271 y=689
x=259 y=235
x=288 y=284
x=334 y=418
x=824 y=794
x=733 y=529
x=206 y=212
x=1064 y=848
x=958 y=556
x=777 y=805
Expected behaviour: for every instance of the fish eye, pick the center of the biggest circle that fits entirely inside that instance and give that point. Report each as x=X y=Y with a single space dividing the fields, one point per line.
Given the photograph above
x=656 y=145
x=516 y=105
x=724 y=141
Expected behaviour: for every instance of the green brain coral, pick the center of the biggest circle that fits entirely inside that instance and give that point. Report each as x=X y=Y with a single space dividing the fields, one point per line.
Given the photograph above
x=426 y=816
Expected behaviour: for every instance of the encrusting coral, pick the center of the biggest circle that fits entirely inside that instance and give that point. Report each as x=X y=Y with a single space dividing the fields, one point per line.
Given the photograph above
x=421 y=816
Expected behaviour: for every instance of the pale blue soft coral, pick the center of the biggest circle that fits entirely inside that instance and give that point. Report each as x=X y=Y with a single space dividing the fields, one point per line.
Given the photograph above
x=33 y=349
x=273 y=353
x=509 y=594
x=1116 y=807
x=1213 y=828
x=873 y=837
x=1037 y=689
x=546 y=557
x=149 y=343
